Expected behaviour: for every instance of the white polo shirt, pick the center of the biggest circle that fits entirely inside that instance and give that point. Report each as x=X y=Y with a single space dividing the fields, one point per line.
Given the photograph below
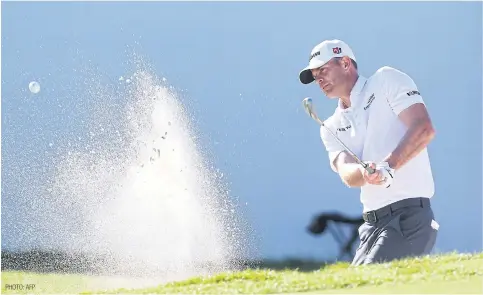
x=372 y=130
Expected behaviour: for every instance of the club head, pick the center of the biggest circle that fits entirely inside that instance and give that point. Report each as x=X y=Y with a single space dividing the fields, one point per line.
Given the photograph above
x=309 y=108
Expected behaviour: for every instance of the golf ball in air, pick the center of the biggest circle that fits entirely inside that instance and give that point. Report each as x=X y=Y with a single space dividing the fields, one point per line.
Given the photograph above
x=34 y=87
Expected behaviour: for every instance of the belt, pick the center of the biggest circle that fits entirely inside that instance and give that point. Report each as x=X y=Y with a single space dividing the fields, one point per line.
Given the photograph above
x=375 y=215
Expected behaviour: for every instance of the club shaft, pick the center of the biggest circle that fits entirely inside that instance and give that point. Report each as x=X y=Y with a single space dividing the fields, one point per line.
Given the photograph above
x=342 y=144
x=351 y=153
x=354 y=156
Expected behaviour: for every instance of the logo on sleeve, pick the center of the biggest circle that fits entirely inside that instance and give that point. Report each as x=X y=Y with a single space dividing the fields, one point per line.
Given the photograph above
x=414 y=92
x=344 y=128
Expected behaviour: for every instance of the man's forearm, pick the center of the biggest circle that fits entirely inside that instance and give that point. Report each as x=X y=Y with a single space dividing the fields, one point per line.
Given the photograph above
x=351 y=174
x=413 y=142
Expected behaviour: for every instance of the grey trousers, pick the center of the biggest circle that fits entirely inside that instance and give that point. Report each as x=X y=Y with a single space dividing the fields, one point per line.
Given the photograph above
x=403 y=229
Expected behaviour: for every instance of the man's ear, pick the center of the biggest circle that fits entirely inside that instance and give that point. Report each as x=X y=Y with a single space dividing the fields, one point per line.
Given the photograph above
x=346 y=62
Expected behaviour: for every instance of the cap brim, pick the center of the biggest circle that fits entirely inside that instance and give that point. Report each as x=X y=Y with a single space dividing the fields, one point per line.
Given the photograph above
x=305 y=75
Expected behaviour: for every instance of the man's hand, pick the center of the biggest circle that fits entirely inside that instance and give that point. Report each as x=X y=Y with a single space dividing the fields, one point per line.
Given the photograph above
x=382 y=176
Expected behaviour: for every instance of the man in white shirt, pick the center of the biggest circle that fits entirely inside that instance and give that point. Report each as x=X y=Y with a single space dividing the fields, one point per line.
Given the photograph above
x=384 y=121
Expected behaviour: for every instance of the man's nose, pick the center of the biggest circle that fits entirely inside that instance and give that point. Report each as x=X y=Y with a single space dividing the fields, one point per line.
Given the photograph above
x=319 y=79
x=317 y=76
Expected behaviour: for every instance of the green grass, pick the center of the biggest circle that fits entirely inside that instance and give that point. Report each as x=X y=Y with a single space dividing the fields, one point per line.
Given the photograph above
x=474 y=285
x=451 y=273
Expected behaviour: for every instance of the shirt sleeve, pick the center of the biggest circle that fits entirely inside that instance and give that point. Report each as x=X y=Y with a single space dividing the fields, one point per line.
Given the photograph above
x=401 y=91
x=332 y=147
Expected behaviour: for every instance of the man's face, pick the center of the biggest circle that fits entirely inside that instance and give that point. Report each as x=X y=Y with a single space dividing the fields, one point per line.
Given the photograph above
x=331 y=78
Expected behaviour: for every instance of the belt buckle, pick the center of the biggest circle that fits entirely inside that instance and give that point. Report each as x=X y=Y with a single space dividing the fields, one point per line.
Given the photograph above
x=371 y=216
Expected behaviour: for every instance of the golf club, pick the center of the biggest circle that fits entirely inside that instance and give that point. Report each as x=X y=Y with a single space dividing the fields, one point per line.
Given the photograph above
x=309 y=108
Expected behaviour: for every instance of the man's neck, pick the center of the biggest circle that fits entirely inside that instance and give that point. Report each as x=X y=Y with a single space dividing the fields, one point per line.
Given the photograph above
x=346 y=99
x=345 y=102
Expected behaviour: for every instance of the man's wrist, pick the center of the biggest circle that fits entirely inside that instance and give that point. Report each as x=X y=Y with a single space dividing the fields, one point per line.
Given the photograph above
x=391 y=162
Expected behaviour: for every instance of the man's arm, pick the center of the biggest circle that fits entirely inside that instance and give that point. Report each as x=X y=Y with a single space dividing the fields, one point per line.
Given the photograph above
x=406 y=102
x=340 y=161
x=419 y=134
x=349 y=171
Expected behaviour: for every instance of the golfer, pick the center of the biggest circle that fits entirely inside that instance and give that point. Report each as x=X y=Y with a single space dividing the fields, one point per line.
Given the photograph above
x=384 y=121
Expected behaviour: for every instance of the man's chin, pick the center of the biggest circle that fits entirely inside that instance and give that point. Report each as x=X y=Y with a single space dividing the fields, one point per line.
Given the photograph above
x=330 y=95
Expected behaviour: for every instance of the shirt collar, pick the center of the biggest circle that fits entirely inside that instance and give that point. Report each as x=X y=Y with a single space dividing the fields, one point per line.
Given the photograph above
x=354 y=95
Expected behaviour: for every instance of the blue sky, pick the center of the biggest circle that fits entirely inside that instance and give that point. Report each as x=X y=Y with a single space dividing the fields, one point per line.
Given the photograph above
x=237 y=66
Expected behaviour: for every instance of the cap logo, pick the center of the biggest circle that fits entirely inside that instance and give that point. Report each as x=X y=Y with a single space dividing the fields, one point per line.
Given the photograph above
x=336 y=50
x=314 y=55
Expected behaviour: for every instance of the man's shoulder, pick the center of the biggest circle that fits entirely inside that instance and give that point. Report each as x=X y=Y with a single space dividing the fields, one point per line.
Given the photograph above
x=386 y=70
x=332 y=119
x=330 y=122
x=389 y=74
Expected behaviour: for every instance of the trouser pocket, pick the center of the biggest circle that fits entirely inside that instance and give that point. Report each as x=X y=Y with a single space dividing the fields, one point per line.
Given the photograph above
x=416 y=227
